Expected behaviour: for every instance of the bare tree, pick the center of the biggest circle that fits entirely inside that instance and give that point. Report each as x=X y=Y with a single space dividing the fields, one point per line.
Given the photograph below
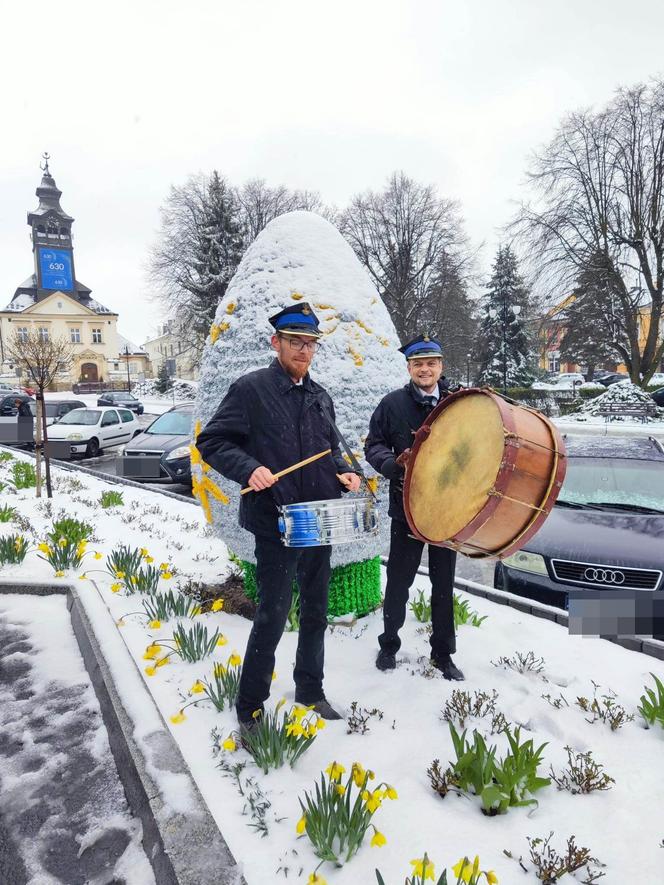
x=260 y=204
x=40 y=358
x=599 y=204
x=403 y=235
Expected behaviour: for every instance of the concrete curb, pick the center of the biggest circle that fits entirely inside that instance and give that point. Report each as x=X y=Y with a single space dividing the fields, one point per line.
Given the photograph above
x=182 y=849
x=122 y=481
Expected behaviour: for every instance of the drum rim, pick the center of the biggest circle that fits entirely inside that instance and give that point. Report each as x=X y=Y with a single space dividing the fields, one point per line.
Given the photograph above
x=337 y=501
x=502 y=477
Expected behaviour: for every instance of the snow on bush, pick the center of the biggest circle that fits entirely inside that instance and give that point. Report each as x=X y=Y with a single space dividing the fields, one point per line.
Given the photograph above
x=623 y=393
x=184 y=390
x=301 y=256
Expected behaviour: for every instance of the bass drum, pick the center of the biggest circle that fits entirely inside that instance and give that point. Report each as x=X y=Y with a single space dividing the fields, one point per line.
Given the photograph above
x=483 y=474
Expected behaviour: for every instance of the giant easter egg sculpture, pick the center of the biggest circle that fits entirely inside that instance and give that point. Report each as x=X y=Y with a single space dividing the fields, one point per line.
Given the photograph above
x=301 y=256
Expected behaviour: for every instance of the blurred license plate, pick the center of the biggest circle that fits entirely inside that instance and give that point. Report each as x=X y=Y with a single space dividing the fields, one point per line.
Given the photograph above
x=138 y=467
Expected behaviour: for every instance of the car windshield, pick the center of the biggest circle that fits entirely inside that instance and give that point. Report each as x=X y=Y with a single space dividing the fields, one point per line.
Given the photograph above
x=81 y=416
x=124 y=397
x=176 y=423
x=624 y=483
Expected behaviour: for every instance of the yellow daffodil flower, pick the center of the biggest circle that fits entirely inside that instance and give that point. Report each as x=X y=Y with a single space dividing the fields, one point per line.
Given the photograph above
x=151 y=652
x=491 y=877
x=315 y=879
x=163 y=566
x=82 y=577
x=149 y=559
x=294 y=729
x=162 y=662
x=334 y=771
x=372 y=801
x=63 y=542
x=320 y=724
x=464 y=869
x=197 y=687
x=358 y=774
x=301 y=825
x=120 y=575
x=378 y=839
x=222 y=640
x=390 y=792
x=257 y=714
x=144 y=552
x=312 y=731
x=274 y=675
x=154 y=625
x=59 y=574
x=235 y=660
x=229 y=744
x=217 y=605
x=167 y=576
x=150 y=670
x=340 y=789
x=423 y=867
x=98 y=555
x=115 y=588
x=44 y=548
x=177 y=718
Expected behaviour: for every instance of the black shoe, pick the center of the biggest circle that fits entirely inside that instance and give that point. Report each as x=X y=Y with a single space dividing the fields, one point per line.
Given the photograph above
x=448 y=668
x=322 y=707
x=385 y=660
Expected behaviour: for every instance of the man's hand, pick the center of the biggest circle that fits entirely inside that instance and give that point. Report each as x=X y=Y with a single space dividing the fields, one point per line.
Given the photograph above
x=262 y=478
x=404 y=458
x=350 y=480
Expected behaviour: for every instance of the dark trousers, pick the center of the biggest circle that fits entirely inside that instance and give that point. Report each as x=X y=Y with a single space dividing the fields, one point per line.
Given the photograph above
x=402 y=564
x=276 y=568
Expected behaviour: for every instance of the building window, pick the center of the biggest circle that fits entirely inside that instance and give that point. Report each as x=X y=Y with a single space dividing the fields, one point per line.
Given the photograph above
x=116 y=366
x=96 y=336
x=554 y=362
x=75 y=336
x=22 y=334
x=43 y=333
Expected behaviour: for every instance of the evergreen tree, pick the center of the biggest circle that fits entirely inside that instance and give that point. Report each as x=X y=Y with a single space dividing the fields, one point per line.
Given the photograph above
x=592 y=320
x=163 y=383
x=505 y=352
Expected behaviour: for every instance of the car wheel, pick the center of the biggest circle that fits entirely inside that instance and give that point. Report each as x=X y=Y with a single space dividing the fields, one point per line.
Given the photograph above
x=498 y=577
x=92 y=449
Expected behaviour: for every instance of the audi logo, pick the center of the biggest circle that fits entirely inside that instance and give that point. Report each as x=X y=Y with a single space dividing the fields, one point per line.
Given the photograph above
x=604 y=576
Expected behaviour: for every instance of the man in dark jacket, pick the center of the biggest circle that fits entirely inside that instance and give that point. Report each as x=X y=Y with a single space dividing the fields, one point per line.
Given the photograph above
x=387 y=448
x=268 y=420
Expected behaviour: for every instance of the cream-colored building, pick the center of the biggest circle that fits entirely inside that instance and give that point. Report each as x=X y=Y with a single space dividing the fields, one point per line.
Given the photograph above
x=167 y=346
x=54 y=302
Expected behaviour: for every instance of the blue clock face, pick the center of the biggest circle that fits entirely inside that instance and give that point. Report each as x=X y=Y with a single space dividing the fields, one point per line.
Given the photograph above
x=55 y=269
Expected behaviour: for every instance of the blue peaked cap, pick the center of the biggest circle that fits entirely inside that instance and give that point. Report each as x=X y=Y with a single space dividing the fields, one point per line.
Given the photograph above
x=298 y=319
x=422 y=346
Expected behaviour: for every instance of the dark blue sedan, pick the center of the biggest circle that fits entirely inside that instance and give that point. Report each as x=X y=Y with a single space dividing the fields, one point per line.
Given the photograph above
x=606 y=530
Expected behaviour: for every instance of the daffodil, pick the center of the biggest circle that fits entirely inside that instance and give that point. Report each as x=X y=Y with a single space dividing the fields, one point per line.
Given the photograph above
x=294 y=729
x=119 y=574
x=217 y=605
x=163 y=566
x=178 y=717
x=151 y=670
x=335 y=771
x=59 y=574
x=491 y=877
x=44 y=548
x=390 y=792
x=301 y=825
x=154 y=625
x=378 y=840
x=63 y=542
x=222 y=640
x=151 y=652
x=197 y=687
x=423 y=867
x=358 y=773
x=464 y=869
x=340 y=789
x=274 y=675
x=320 y=724
x=229 y=744
x=372 y=801
x=83 y=577
x=115 y=588
x=257 y=714
x=98 y=555
x=144 y=552
x=162 y=661
x=315 y=879
x=166 y=576
x=235 y=660
x=149 y=559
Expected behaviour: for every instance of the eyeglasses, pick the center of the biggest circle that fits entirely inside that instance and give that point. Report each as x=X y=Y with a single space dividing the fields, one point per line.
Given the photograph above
x=299 y=344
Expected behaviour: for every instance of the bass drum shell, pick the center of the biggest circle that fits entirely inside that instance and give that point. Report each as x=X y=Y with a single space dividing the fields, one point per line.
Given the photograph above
x=483 y=474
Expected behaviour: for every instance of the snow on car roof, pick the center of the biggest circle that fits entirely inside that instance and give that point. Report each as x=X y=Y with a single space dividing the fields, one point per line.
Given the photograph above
x=614 y=447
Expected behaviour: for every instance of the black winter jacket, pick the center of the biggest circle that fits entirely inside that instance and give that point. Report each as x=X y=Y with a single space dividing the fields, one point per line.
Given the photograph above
x=391 y=431
x=267 y=420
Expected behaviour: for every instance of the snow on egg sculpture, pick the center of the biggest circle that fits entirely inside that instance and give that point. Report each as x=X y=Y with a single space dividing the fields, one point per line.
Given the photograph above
x=301 y=256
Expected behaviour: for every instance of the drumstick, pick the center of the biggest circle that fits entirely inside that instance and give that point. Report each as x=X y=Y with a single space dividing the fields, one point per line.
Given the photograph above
x=293 y=467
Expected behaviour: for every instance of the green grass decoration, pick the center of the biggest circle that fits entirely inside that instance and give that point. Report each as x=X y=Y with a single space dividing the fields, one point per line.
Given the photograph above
x=111 y=498
x=7 y=513
x=169 y=604
x=354 y=588
x=24 y=475
x=652 y=703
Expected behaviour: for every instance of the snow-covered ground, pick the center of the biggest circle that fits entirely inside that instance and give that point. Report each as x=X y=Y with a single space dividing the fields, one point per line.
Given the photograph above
x=153 y=405
x=623 y=827
x=63 y=805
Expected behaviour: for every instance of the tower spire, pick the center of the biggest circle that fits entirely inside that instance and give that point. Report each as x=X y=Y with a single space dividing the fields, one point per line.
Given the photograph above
x=46 y=157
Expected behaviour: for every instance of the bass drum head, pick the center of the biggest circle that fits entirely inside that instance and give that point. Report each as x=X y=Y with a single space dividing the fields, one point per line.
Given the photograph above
x=455 y=467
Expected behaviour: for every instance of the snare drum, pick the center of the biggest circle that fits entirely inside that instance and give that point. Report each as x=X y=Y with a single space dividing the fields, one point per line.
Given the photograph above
x=323 y=523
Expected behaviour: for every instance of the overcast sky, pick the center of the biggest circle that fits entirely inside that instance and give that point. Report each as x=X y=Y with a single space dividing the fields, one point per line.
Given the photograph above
x=131 y=97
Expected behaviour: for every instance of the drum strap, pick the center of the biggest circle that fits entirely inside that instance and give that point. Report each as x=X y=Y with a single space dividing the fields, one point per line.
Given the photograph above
x=355 y=464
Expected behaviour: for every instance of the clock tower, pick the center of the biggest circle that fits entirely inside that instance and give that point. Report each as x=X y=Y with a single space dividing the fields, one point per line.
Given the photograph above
x=51 y=238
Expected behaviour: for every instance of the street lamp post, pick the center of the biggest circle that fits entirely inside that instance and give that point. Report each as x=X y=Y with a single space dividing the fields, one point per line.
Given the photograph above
x=127 y=354
x=468 y=355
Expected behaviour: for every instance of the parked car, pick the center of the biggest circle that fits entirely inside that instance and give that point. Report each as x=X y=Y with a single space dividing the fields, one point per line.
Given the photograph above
x=612 y=378
x=658 y=396
x=563 y=381
x=656 y=380
x=606 y=529
x=121 y=399
x=161 y=451
x=13 y=403
x=93 y=430
x=55 y=409
x=29 y=390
